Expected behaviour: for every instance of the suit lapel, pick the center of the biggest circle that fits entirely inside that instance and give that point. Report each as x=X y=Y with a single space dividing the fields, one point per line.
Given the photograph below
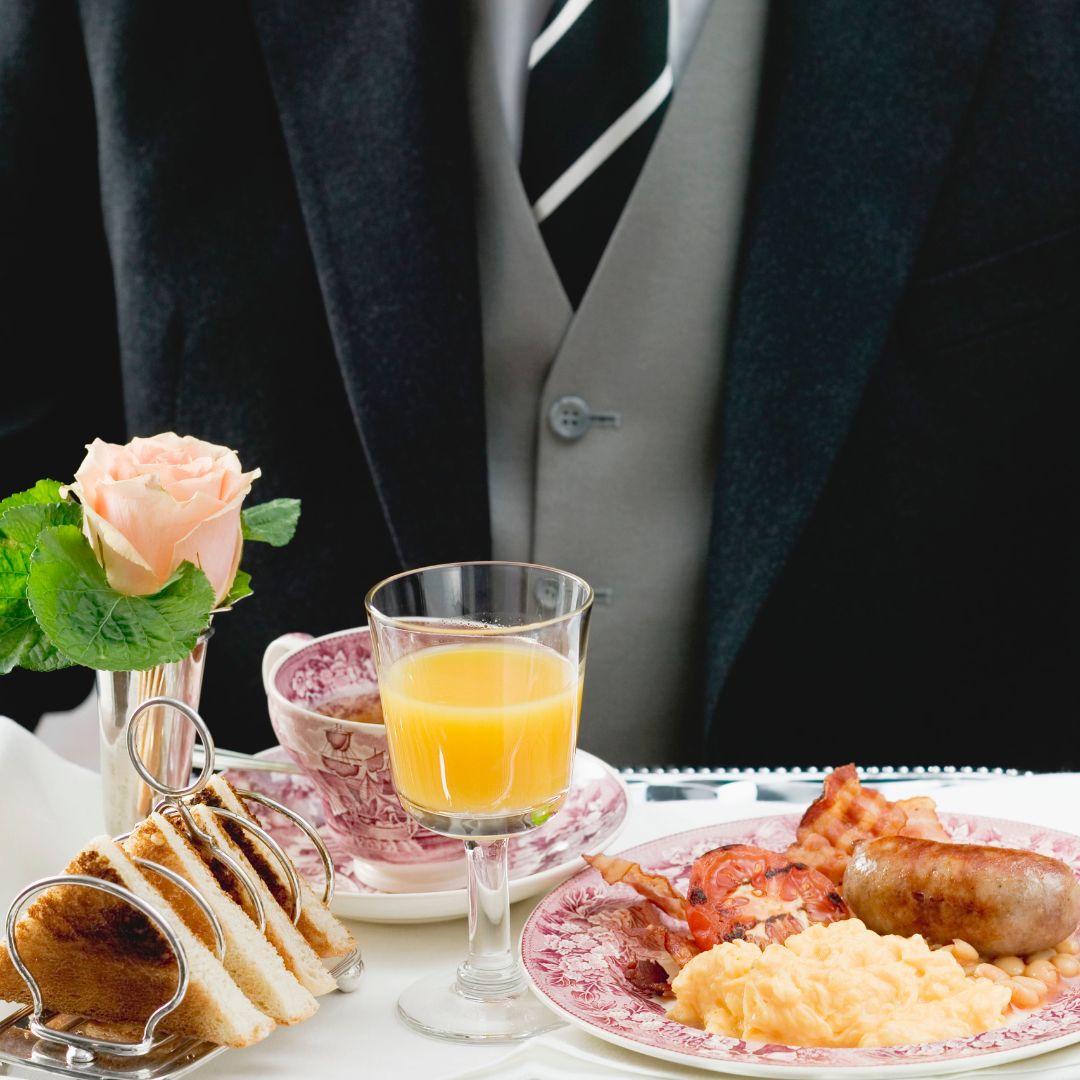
x=860 y=111
x=372 y=103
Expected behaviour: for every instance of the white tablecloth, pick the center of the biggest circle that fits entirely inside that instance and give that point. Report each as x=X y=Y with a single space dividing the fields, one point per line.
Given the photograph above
x=50 y=807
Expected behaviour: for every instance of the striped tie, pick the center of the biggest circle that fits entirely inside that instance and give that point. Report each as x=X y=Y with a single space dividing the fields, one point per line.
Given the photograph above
x=599 y=82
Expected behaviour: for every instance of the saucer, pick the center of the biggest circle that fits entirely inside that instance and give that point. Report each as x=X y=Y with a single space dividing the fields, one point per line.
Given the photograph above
x=590 y=819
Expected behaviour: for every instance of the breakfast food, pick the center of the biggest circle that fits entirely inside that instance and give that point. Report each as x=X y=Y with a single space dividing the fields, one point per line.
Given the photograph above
x=104 y=965
x=654 y=887
x=297 y=954
x=97 y=956
x=1032 y=979
x=734 y=892
x=741 y=892
x=1002 y=901
x=846 y=813
x=255 y=965
x=945 y=938
x=659 y=952
x=836 y=984
x=325 y=934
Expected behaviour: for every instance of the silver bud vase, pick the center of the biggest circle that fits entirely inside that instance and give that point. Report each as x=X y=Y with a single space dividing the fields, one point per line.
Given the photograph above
x=165 y=739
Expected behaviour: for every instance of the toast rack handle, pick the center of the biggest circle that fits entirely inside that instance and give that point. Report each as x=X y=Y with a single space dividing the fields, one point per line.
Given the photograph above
x=196 y=898
x=82 y=1047
x=204 y=735
x=309 y=830
x=203 y=839
x=275 y=849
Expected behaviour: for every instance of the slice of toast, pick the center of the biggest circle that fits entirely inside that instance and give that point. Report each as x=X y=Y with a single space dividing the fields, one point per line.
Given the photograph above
x=299 y=957
x=255 y=965
x=324 y=933
x=96 y=956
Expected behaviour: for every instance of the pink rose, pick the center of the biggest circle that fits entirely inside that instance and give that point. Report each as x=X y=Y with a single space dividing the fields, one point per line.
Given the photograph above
x=158 y=502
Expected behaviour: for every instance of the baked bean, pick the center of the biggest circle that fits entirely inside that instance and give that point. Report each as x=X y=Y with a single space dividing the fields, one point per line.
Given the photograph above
x=1028 y=990
x=1067 y=966
x=1042 y=954
x=1042 y=970
x=990 y=971
x=1011 y=965
x=965 y=953
x=1069 y=946
x=1023 y=997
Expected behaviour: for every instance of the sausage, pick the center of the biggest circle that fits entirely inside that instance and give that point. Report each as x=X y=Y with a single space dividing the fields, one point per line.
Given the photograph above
x=1002 y=901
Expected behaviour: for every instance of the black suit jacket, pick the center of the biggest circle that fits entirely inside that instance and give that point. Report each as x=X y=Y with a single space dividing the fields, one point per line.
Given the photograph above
x=262 y=218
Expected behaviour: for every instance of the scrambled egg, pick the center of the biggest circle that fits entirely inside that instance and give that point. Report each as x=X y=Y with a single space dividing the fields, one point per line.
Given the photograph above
x=836 y=985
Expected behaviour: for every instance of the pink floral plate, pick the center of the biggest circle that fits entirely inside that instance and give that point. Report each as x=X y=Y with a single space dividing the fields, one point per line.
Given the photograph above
x=590 y=820
x=574 y=959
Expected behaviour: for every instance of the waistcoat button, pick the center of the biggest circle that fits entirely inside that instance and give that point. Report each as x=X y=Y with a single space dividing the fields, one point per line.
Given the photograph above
x=569 y=417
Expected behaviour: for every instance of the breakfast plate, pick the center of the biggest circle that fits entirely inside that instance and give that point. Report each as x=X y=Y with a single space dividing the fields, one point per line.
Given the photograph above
x=592 y=817
x=574 y=957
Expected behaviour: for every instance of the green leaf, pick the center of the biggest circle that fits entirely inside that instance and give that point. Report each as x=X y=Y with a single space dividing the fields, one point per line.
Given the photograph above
x=241 y=587
x=22 y=516
x=97 y=626
x=43 y=655
x=23 y=523
x=17 y=622
x=271 y=522
x=22 y=643
x=44 y=491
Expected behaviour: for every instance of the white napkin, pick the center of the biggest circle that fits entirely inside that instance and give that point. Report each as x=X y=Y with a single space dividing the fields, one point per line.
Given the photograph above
x=570 y=1054
x=49 y=808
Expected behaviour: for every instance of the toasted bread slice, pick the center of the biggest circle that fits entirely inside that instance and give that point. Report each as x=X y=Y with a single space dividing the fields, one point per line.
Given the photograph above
x=96 y=956
x=299 y=957
x=323 y=932
x=255 y=965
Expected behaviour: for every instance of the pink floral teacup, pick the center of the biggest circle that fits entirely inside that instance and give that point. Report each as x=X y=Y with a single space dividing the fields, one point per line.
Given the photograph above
x=323 y=696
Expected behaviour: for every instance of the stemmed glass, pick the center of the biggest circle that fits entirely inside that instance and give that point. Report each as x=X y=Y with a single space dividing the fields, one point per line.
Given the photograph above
x=481 y=667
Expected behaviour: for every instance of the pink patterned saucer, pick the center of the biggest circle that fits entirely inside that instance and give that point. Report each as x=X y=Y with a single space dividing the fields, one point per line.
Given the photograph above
x=590 y=820
x=574 y=959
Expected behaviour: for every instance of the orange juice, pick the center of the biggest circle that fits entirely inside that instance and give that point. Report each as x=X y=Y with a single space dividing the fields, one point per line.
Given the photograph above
x=481 y=727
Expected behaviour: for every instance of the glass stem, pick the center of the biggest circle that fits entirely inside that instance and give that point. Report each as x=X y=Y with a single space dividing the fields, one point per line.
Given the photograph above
x=491 y=970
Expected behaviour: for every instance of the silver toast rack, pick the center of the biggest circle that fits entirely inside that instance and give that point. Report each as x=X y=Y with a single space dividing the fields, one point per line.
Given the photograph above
x=37 y=1040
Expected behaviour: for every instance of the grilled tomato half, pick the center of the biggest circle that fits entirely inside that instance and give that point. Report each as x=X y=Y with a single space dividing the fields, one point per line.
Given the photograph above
x=739 y=891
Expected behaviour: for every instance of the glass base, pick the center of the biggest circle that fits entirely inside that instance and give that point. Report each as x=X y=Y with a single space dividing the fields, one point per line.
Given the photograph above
x=436 y=1006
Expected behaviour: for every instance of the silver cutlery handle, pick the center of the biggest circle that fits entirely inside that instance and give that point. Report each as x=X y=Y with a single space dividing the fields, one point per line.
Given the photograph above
x=235 y=759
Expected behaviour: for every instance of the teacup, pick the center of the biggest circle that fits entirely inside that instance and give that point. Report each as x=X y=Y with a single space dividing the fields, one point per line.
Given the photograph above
x=314 y=686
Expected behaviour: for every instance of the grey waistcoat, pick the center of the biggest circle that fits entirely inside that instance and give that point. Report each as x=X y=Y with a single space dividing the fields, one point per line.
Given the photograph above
x=628 y=508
